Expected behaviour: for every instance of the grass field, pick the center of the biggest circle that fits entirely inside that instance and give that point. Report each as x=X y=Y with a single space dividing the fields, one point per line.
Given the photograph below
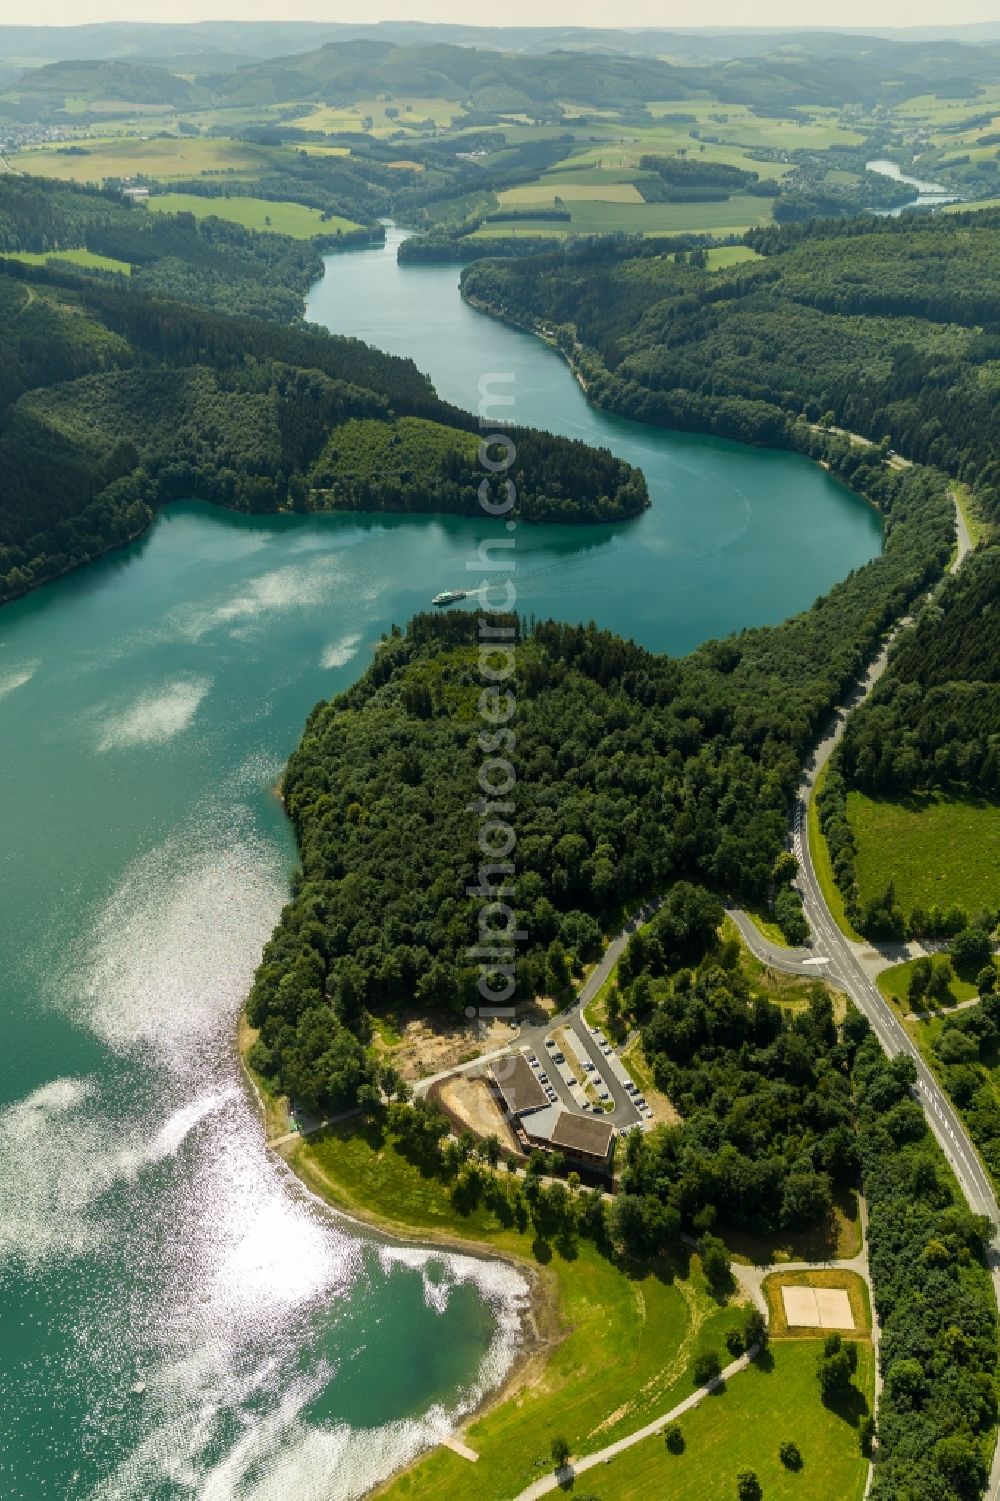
x=613 y=152
x=75 y=257
x=730 y=255
x=629 y=1339
x=766 y=926
x=285 y=218
x=963 y=208
x=175 y=156
x=327 y=117
x=824 y=866
x=410 y=111
x=894 y=984
x=741 y=1428
x=544 y=194
x=595 y=217
x=938 y=850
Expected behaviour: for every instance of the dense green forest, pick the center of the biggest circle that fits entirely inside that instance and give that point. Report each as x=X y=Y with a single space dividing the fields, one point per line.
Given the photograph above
x=416 y=465
x=766 y=1136
x=113 y=402
x=934 y=719
x=634 y=770
x=884 y=327
x=933 y=1296
x=209 y=261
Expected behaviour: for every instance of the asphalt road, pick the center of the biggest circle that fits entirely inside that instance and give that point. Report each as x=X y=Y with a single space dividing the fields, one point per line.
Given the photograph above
x=841 y=965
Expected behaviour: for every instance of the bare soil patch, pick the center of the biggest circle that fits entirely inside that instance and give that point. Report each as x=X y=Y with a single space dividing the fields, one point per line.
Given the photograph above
x=422 y=1045
x=473 y=1102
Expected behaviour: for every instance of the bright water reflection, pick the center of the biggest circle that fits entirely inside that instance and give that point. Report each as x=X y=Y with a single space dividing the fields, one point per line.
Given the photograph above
x=146 y=1236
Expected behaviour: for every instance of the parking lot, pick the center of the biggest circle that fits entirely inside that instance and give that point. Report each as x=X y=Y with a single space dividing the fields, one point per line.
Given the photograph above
x=593 y=1080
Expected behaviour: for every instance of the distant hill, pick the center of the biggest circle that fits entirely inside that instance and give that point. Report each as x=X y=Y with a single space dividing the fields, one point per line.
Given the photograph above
x=341 y=72
x=502 y=71
x=251 y=40
x=90 y=81
x=825 y=68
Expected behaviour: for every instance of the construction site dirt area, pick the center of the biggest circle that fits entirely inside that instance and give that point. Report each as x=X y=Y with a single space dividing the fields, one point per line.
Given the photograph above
x=423 y=1046
x=472 y=1101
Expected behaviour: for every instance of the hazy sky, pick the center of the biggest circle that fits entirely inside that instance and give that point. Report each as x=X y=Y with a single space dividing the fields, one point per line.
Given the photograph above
x=515 y=12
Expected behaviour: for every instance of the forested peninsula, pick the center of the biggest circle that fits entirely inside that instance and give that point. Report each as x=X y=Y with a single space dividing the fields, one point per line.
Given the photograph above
x=636 y=770
x=113 y=402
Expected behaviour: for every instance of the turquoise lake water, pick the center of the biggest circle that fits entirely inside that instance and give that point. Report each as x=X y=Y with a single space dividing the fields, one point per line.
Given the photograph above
x=147 y=705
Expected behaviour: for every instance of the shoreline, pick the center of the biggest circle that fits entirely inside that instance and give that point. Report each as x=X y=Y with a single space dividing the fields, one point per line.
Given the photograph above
x=533 y=328
x=541 y=1325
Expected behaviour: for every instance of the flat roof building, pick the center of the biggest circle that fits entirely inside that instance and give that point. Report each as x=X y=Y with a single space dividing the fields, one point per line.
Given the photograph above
x=583 y=1135
x=518 y=1084
x=584 y=1138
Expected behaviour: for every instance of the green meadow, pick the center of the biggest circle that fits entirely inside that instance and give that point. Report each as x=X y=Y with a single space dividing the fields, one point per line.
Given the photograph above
x=937 y=850
x=282 y=218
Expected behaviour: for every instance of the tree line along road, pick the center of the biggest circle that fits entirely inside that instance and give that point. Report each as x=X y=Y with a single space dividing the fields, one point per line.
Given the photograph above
x=835 y=958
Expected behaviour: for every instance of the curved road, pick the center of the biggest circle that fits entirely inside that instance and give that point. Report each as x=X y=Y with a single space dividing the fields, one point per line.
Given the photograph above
x=835 y=958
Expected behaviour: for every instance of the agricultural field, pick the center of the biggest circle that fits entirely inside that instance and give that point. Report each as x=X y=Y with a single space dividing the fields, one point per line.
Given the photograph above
x=261 y=214
x=163 y=158
x=932 y=113
x=409 y=113
x=569 y=191
x=963 y=208
x=735 y=123
x=596 y=216
x=938 y=851
x=623 y=151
